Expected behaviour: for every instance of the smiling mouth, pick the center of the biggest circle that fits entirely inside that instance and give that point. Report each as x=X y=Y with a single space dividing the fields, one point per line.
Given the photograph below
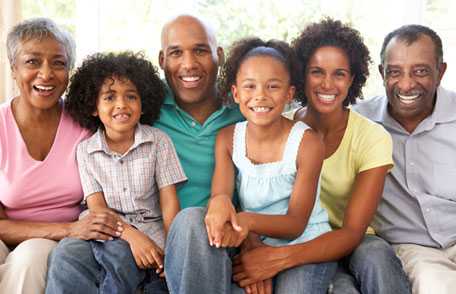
x=43 y=89
x=327 y=98
x=190 y=81
x=408 y=99
x=121 y=117
x=261 y=109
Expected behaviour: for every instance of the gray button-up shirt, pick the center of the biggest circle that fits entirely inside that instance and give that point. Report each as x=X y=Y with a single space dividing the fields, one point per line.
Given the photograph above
x=419 y=199
x=130 y=182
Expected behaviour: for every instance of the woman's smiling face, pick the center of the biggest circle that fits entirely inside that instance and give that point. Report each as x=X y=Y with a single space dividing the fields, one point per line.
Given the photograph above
x=327 y=79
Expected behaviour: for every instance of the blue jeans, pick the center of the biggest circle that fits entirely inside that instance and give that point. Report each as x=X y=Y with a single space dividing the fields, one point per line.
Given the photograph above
x=192 y=266
x=78 y=266
x=372 y=268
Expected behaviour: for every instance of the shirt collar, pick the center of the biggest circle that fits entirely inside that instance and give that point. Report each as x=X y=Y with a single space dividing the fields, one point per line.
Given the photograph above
x=98 y=141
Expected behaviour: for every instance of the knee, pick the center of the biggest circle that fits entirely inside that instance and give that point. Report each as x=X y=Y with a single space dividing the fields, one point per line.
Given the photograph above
x=374 y=252
x=68 y=251
x=31 y=255
x=189 y=221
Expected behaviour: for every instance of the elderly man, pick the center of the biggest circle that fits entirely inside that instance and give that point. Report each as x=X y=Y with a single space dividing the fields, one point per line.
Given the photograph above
x=192 y=113
x=419 y=200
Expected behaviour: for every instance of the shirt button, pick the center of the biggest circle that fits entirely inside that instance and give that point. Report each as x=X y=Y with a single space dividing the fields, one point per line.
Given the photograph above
x=124 y=189
x=412 y=163
x=193 y=124
x=121 y=161
x=428 y=209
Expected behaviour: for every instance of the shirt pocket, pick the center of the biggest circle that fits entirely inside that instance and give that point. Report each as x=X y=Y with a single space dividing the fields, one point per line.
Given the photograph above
x=442 y=182
x=143 y=180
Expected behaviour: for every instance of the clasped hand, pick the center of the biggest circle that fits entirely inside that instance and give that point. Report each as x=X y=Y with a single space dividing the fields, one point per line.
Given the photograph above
x=225 y=227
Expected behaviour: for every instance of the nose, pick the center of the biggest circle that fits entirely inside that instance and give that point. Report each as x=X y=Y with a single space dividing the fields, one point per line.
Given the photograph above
x=406 y=83
x=120 y=103
x=188 y=60
x=260 y=93
x=46 y=72
x=327 y=82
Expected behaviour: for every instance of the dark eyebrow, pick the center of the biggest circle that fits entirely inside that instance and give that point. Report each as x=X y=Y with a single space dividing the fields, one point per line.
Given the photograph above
x=172 y=47
x=202 y=45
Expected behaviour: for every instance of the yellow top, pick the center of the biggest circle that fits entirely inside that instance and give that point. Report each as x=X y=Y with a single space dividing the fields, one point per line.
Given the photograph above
x=365 y=145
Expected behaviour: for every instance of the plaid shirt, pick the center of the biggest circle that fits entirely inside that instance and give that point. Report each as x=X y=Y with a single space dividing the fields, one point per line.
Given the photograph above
x=130 y=182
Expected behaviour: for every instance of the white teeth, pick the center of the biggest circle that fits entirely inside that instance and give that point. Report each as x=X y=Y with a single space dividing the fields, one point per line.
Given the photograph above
x=44 y=88
x=121 y=116
x=411 y=97
x=190 y=79
x=326 y=97
x=261 y=109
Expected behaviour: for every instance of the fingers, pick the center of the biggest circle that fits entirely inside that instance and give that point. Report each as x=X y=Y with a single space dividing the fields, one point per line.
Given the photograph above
x=209 y=235
x=214 y=227
x=158 y=259
x=267 y=286
x=234 y=222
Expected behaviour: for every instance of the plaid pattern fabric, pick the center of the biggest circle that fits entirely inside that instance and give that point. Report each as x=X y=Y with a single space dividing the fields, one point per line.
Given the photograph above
x=130 y=182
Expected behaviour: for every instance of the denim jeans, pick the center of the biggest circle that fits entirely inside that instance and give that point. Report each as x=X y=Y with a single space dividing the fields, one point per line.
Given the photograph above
x=372 y=268
x=78 y=266
x=192 y=266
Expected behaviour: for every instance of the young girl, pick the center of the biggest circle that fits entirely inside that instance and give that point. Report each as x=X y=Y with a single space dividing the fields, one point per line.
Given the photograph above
x=126 y=167
x=272 y=161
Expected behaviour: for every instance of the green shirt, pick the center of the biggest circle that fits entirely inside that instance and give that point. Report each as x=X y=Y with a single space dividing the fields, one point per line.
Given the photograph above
x=194 y=144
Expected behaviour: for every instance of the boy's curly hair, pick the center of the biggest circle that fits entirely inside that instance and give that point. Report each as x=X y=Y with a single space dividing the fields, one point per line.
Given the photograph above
x=329 y=32
x=85 y=85
x=243 y=48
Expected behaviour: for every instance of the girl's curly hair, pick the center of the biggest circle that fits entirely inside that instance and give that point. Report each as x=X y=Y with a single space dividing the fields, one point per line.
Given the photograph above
x=85 y=85
x=329 y=32
x=245 y=48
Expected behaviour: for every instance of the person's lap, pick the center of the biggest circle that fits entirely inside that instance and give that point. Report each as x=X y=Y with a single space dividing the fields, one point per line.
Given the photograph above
x=430 y=270
x=73 y=266
x=372 y=268
x=23 y=270
x=193 y=266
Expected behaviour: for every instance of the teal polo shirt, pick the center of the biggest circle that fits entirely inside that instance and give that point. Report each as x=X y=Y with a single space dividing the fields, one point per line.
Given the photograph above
x=194 y=143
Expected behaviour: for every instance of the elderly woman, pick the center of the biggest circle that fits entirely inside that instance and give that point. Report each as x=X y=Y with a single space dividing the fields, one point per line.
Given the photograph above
x=39 y=180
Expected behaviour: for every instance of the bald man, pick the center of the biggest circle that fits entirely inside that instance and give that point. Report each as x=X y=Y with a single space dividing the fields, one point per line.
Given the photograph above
x=192 y=113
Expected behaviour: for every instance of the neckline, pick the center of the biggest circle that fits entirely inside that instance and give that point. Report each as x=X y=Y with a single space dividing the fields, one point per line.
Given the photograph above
x=344 y=137
x=18 y=133
x=272 y=163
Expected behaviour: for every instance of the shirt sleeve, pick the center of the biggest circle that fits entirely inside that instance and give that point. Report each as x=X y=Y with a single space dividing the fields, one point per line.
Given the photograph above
x=88 y=181
x=376 y=148
x=168 y=170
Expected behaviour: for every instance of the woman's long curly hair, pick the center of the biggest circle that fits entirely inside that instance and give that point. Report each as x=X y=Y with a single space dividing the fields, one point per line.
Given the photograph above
x=329 y=32
x=245 y=48
x=86 y=83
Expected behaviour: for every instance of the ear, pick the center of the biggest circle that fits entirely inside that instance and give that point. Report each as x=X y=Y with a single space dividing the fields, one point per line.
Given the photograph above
x=13 y=72
x=161 y=59
x=291 y=93
x=380 y=70
x=234 y=93
x=442 y=69
x=95 y=113
x=220 y=56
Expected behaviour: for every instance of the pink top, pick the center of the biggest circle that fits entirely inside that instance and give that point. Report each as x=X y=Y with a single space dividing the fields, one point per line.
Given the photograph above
x=48 y=190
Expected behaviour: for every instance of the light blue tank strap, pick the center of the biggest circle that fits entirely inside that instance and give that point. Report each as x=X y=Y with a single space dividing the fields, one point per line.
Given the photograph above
x=294 y=140
x=239 y=153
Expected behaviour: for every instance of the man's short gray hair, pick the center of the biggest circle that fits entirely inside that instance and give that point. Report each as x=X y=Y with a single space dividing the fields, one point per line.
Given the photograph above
x=38 y=29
